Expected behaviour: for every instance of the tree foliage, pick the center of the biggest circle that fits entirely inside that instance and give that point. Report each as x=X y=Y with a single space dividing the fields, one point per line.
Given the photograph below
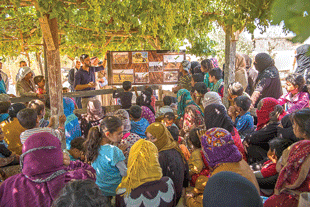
x=296 y=16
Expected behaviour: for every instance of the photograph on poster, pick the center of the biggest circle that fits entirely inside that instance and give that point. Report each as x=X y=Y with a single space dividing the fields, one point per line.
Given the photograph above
x=141 y=77
x=120 y=58
x=140 y=57
x=156 y=77
x=173 y=62
x=171 y=76
x=155 y=66
x=119 y=76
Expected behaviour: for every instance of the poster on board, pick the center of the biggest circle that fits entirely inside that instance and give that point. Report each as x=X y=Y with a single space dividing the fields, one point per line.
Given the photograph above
x=171 y=76
x=140 y=57
x=156 y=66
x=120 y=58
x=142 y=77
x=173 y=62
x=119 y=76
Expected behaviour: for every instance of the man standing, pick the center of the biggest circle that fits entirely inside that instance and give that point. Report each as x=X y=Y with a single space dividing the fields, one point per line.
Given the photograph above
x=21 y=65
x=85 y=78
x=4 y=81
x=185 y=80
x=71 y=75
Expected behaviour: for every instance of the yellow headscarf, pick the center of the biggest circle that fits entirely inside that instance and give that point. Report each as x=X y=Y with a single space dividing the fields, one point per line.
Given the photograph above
x=165 y=140
x=143 y=166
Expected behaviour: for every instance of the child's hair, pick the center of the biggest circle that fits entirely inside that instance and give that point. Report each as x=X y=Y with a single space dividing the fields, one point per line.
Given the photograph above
x=36 y=105
x=236 y=89
x=27 y=118
x=139 y=100
x=37 y=79
x=65 y=88
x=201 y=88
x=174 y=132
x=4 y=107
x=83 y=57
x=193 y=137
x=194 y=64
x=243 y=102
x=217 y=73
x=15 y=108
x=96 y=134
x=207 y=64
x=197 y=69
x=169 y=116
x=149 y=89
x=81 y=193
x=274 y=115
x=135 y=112
x=278 y=145
x=126 y=85
x=78 y=143
x=302 y=119
x=198 y=77
x=167 y=101
x=296 y=79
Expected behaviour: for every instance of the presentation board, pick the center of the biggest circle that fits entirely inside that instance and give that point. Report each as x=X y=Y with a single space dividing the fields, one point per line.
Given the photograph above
x=144 y=67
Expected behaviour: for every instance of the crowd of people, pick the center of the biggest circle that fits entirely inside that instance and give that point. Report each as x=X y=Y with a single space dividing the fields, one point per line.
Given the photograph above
x=192 y=150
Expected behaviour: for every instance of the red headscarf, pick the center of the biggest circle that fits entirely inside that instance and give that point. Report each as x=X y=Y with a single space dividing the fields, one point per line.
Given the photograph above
x=263 y=114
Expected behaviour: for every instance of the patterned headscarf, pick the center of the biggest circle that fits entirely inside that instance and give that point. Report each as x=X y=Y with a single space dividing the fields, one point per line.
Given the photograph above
x=68 y=105
x=94 y=110
x=185 y=99
x=218 y=147
x=123 y=115
x=143 y=166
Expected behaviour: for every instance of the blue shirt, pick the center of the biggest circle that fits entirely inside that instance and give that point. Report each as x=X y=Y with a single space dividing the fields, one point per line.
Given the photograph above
x=139 y=127
x=83 y=77
x=2 y=87
x=244 y=123
x=108 y=175
x=4 y=117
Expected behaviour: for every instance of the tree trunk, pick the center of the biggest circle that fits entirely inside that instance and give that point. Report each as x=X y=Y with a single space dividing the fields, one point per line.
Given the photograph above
x=39 y=63
x=229 y=70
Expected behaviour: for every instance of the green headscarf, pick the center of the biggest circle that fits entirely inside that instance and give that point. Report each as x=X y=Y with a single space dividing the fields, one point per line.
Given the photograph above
x=184 y=100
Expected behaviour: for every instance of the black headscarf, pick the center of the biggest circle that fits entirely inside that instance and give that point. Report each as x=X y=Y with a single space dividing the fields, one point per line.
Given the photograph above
x=194 y=64
x=216 y=116
x=15 y=108
x=287 y=131
x=264 y=64
x=230 y=189
x=303 y=61
x=145 y=100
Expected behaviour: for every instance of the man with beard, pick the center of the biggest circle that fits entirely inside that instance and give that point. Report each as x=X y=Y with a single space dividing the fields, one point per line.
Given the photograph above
x=85 y=78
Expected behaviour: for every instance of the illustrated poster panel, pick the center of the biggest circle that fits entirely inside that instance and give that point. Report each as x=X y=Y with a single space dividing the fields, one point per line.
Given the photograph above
x=171 y=76
x=120 y=58
x=173 y=62
x=140 y=57
x=119 y=76
x=156 y=66
x=141 y=78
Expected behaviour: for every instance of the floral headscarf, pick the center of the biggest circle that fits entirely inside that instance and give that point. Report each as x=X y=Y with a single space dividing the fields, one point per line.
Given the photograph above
x=123 y=115
x=184 y=100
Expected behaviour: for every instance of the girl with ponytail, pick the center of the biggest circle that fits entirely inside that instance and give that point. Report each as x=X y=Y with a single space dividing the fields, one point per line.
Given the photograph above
x=106 y=159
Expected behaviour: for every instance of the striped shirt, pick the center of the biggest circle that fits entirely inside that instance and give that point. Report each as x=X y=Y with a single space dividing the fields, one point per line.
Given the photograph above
x=55 y=132
x=185 y=82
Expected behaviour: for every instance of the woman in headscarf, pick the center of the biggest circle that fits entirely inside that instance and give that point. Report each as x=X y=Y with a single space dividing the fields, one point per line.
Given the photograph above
x=268 y=82
x=93 y=116
x=146 y=111
x=303 y=62
x=147 y=100
x=230 y=189
x=216 y=116
x=171 y=158
x=211 y=98
x=222 y=154
x=72 y=126
x=25 y=85
x=294 y=178
x=12 y=129
x=184 y=100
x=144 y=184
x=241 y=75
x=252 y=75
x=43 y=173
x=269 y=113
x=129 y=138
x=285 y=129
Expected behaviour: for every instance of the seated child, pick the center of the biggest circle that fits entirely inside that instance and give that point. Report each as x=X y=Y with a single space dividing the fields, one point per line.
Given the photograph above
x=105 y=158
x=39 y=106
x=76 y=152
x=166 y=108
x=234 y=90
x=138 y=124
x=295 y=99
x=40 y=82
x=29 y=119
x=200 y=91
x=169 y=119
x=4 y=108
x=196 y=78
x=196 y=164
x=125 y=96
x=216 y=77
x=174 y=131
x=241 y=116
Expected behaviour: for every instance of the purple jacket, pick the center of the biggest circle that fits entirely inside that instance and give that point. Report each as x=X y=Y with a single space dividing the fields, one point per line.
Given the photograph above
x=297 y=102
